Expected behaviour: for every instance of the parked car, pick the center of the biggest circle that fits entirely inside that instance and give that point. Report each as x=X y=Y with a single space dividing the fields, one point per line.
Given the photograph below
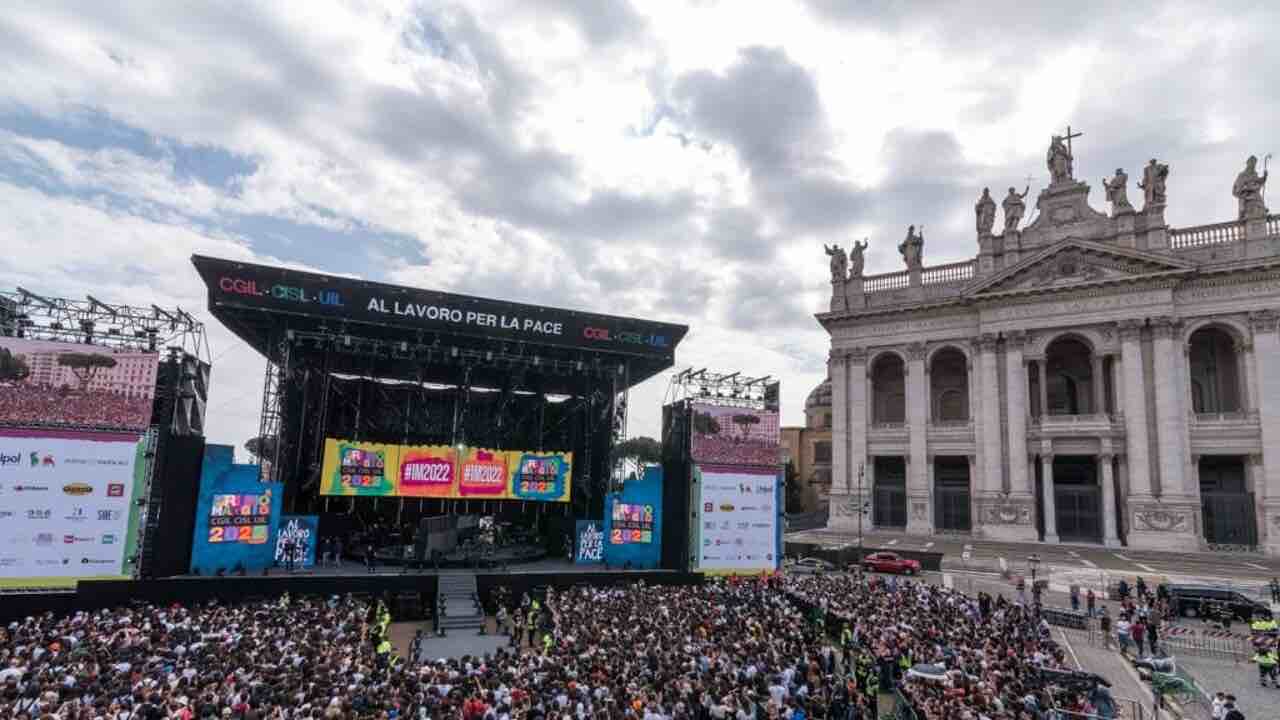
x=887 y=562
x=1192 y=600
x=811 y=565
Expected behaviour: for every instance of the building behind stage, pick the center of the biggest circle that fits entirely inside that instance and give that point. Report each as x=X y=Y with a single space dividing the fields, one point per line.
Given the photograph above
x=1090 y=377
x=807 y=449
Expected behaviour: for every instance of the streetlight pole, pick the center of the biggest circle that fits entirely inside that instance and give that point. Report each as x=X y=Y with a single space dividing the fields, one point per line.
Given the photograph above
x=862 y=509
x=1034 y=561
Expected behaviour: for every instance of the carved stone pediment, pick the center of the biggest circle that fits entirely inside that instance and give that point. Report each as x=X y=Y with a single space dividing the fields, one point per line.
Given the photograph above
x=1077 y=262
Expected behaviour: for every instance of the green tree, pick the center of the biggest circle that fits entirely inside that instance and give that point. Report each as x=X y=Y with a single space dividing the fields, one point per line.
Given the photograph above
x=261 y=447
x=631 y=455
x=13 y=367
x=745 y=422
x=85 y=365
x=705 y=424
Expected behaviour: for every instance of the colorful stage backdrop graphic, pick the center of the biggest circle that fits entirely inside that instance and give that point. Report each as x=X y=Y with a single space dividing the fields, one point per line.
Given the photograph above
x=442 y=471
x=427 y=471
x=633 y=522
x=236 y=515
x=737 y=520
x=589 y=543
x=735 y=436
x=302 y=531
x=50 y=384
x=67 y=507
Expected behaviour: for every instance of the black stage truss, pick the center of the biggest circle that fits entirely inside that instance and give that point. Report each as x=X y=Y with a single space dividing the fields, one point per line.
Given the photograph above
x=368 y=361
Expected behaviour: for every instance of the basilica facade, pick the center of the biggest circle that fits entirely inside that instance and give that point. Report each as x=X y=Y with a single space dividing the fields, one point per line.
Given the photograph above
x=1094 y=377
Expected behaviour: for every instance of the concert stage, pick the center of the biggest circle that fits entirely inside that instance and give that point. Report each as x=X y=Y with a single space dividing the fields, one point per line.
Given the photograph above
x=395 y=367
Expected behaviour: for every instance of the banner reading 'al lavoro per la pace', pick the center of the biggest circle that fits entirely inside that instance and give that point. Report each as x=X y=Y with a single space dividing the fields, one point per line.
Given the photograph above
x=444 y=471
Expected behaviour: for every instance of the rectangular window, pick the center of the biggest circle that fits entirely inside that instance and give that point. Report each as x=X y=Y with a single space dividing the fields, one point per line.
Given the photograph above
x=822 y=451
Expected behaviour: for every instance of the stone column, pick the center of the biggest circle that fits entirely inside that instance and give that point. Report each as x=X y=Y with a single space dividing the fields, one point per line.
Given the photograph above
x=1109 y=536
x=1134 y=403
x=1117 y=385
x=1171 y=421
x=1016 y=384
x=1099 y=387
x=1170 y=522
x=842 y=407
x=1267 y=353
x=1047 y=500
x=918 y=490
x=1247 y=367
x=1043 y=386
x=856 y=420
x=991 y=476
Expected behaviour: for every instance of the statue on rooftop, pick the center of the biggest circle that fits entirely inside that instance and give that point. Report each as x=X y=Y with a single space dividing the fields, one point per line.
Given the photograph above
x=1014 y=207
x=1248 y=189
x=912 y=248
x=1152 y=184
x=1059 y=160
x=1117 y=192
x=839 y=263
x=856 y=260
x=986 y=212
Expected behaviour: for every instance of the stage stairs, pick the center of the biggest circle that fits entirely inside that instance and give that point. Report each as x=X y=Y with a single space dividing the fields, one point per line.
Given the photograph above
x=461 y=601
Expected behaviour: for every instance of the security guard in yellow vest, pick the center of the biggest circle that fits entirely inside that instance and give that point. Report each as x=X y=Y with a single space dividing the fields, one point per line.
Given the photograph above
x=1267 y=661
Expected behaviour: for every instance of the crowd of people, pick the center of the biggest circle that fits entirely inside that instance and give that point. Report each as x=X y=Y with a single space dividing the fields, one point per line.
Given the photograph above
x=763 y=649
x=30 y=404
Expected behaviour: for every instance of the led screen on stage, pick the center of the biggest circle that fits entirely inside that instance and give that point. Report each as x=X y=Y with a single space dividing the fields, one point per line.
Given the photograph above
x=737 y=520
x=540 y=476
x=236 y=516
x=427 y=471
x=633 y=521
x=443 y=471
x=735 y=436
x=67 y=506
x=52 y=384
x=297 y=534
x=359 y=468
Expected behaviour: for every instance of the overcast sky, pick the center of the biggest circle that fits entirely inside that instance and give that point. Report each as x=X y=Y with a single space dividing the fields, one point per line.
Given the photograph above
x=676 y=161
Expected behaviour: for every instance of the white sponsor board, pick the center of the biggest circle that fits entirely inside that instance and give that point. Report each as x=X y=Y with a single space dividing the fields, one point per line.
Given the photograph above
x=737 y=522
x=64 y=504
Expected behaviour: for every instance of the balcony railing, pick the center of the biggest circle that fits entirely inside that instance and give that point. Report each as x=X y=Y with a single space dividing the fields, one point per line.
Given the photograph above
x=1069 y=420
x=887 y=281
x=888 y=426
x=1233 y=417
x=956 y=272
x=1273 y=224
x=1201 y=235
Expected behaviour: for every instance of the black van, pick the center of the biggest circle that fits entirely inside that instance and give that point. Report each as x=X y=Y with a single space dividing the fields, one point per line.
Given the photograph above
x=1187 y=601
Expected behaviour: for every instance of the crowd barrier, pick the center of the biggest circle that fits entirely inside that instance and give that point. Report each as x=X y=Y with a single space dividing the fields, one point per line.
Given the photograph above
x=843 y=556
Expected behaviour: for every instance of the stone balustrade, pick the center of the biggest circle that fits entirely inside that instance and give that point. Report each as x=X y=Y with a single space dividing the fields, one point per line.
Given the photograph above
x=1201 y=235
x=886 y=281
x=956 y=272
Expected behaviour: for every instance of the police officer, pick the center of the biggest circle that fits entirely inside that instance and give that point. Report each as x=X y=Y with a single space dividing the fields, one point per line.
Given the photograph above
x=1266 y=660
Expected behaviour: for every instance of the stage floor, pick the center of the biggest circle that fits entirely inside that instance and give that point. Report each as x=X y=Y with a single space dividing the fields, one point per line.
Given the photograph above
x=548 y=566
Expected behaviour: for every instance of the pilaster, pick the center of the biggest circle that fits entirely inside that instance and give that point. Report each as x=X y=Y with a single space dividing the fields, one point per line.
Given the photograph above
x=1266 y=344
x=1008 y=515
x=1134 y=403
x=919 y=497
x=990 y=409
x=1169 y=522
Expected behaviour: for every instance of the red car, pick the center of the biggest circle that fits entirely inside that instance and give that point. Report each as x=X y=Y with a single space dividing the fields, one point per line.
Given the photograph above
x=887 y=562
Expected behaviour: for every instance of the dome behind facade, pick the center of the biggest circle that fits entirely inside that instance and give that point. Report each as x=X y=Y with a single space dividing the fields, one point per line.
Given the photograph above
x=820 y=396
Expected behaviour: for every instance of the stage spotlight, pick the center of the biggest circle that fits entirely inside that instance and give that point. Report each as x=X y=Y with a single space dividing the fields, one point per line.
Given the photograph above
x=346 y=340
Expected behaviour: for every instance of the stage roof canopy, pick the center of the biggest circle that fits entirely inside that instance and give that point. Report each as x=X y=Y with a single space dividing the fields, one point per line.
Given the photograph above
x=396 y=332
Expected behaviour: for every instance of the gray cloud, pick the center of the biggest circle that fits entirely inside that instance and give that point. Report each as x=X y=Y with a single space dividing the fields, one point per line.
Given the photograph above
x=767 y=108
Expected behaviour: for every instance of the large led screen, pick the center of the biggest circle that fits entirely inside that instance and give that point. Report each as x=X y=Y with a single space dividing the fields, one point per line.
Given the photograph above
x=737 y=521
x=58 y=384
x=442 y=471
x=67 y=506
x=735 y=436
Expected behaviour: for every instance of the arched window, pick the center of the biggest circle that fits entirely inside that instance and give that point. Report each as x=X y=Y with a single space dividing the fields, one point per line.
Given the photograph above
x=949 y=386
x=1215 y=374
x=1069 y=377
x=888 y=383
